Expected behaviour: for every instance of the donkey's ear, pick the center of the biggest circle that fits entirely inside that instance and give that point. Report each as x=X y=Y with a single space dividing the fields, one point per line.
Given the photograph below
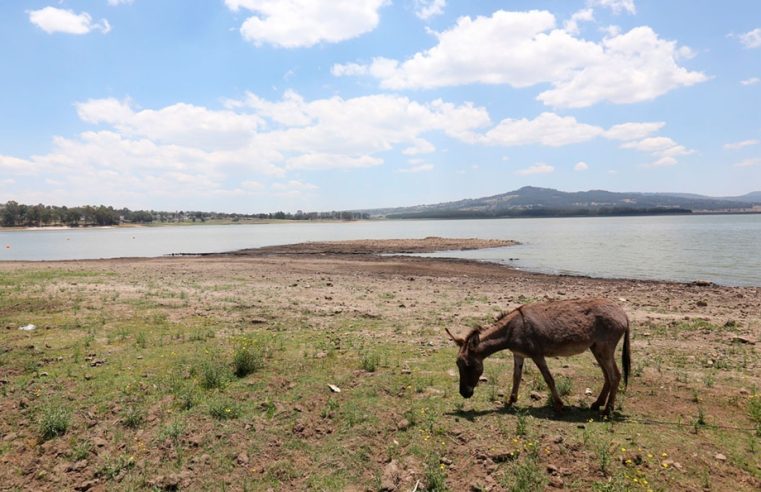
x=473 y=341
x=458 y=340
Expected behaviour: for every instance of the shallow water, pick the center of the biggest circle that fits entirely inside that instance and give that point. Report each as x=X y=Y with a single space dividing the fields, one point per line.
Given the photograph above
x=725 y=249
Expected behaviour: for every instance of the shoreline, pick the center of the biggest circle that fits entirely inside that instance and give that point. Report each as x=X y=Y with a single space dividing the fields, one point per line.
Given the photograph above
x=378 y=250
x=372 y=219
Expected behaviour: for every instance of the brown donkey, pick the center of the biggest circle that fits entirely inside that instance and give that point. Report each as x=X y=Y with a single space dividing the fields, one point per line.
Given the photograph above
x=550 y=329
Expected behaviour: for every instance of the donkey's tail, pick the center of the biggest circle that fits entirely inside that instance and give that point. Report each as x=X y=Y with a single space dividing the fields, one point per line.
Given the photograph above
x=626 y=356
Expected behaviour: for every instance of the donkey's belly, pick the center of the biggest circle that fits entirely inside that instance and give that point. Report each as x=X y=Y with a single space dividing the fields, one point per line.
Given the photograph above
x=566 y=350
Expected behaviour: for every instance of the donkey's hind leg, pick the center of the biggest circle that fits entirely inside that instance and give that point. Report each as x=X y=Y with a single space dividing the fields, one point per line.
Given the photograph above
x=605 y=355
x=606 y=387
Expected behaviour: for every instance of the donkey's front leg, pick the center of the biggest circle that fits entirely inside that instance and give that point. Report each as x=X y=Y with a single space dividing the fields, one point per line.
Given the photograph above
x=517 y=374
x=557 y=403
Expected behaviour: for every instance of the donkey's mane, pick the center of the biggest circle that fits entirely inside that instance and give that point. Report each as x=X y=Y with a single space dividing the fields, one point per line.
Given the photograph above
x=499 y=321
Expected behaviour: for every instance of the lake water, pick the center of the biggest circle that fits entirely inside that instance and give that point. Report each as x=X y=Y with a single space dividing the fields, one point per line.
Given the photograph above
x=725 y=249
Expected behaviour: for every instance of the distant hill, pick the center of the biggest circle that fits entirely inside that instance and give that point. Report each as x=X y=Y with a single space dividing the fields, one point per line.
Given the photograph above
x=752 y=197
x=531 y=201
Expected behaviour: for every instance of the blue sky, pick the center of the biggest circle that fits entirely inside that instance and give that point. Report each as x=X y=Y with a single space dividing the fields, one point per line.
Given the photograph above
x=266 y=105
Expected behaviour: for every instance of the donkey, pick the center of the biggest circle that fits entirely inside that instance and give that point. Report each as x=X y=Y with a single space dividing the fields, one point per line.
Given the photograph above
x=550 y=329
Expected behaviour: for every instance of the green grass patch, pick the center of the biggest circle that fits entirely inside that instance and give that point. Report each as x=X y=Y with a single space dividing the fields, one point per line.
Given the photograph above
x=224 y=408
x=54 y=421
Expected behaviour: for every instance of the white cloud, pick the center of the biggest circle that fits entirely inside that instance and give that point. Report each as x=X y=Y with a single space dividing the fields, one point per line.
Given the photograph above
x=523 y=49
x=633 y=131
x=52 y=20
x=133 y=154
x=663 y=149
x=419 y=146
x=114 y=3
x=749 y=163
x=14 y=164
x=305 y=23
x=332 y=161
x=349 y=70
x=657 y=145
x=181 y=123
x=546 y=129
x=572 y=24
x=751 y=39
x=581 y=166
x=252 y=185
x=425 y=9
x=540 y=168
x=635 y=66
x=617 y=6
x=662 y=162
x=293 y=187
x=421 y=167
x=741 y=144
x=185 y=150
x=751 y=81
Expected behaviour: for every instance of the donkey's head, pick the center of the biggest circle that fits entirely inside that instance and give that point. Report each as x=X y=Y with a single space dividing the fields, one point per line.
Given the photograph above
x=469 y=362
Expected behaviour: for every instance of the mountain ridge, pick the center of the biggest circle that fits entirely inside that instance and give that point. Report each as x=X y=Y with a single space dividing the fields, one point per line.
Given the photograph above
x=541 y=202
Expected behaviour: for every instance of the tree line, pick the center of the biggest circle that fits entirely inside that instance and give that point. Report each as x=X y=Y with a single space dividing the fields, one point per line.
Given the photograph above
x=13 y=214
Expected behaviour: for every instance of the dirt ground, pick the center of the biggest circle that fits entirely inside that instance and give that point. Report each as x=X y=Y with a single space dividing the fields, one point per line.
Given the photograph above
x=125 y=347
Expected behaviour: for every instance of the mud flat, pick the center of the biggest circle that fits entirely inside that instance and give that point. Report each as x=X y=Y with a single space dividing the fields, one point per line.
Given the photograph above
x=204 y=372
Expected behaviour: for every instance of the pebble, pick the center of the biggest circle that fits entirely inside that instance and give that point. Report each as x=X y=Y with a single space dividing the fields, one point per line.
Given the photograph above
x=588 y=391
x=390 y=478
x=556 y=482
x=86 y=485
x=720 y=457
x=242 y=458
x=535 y=395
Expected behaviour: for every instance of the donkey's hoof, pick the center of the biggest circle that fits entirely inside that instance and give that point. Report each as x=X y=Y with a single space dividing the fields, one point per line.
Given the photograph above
x=559 y=408
x=596 y=406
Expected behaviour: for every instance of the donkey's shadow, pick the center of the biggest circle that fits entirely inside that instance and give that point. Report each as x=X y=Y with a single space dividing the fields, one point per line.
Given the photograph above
x=574 y=414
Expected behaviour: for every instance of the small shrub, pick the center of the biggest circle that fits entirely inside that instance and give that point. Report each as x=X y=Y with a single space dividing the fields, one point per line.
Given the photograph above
x=173 y=431
x=80 y=450
x=754 y=411
x=111 y=467
x=524 y=477
x=521 y=424
x=185 y=397
x=54 y=422
x=133 y=416
x=212 y=373
x=328 y=411
x=603 y=456
x=223 y=409
x=370 y=361
x=710 y=380
x=435 y=478
x=248 y=358
x=140 y=340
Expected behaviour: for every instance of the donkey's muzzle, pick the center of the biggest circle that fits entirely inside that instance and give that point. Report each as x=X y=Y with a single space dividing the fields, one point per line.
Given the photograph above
x=466 y=392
